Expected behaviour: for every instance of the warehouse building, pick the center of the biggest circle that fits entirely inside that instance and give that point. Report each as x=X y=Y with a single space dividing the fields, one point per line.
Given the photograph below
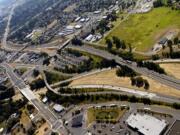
x=146 y=124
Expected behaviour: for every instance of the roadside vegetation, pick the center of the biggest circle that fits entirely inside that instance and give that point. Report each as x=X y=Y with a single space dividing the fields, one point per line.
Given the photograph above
x=37 y=84
x=136 y=80
x=151 y=66
x=86 y=98
x=125 y=71
x=54 y=77
x=78 y=91
x=6 y=92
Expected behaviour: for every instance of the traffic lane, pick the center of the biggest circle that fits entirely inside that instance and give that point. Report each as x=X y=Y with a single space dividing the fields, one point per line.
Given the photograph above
x=45 y=111
x=172 y=82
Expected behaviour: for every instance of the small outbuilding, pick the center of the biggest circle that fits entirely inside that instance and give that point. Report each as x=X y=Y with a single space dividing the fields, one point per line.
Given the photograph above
x=58 y=108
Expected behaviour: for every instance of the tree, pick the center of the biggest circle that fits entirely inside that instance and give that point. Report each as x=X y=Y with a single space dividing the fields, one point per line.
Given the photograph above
x=46 y=61
x=176 y=105
x=133 y=99
x=130 y=48
x=169 y=2
x=123 y=45
x=37 y=84
x=146 y=85
x=76 y=41
x=109 y=44
x=158 y=3
x=35 y=73
x=176 y=40
x=155 y=57
x=92 y=31
x=133 y=81
x=146 y=101
x=151 y=66
x=125 y=71
x=117 y=42
x=44 y=54
x=170 y=43
x=139 y=81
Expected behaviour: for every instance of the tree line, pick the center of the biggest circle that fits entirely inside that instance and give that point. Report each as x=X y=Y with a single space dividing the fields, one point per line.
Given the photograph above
x=137 y=81
x=87 y=98
x=151 y=66
x=115 y=41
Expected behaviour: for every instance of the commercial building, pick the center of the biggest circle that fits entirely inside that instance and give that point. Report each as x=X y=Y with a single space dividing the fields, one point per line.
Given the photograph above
x=77 y=121
x=146 y=124
x=58 y=108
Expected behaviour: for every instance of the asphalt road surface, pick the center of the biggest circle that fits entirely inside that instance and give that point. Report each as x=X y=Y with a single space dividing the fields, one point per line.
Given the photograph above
x=49 y=116
x=164 y=79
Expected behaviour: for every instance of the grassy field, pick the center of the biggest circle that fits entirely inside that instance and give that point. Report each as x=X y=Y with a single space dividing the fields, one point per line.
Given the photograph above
x=143 y=30
x=111 y=114
x=110 y=78
x=172 y=69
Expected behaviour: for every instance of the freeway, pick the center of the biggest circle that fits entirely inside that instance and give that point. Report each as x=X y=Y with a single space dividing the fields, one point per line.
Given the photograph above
x=49 y=116
x=164 y=79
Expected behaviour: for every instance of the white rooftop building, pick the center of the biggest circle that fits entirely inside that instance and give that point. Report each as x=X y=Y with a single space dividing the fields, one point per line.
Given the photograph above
x=78 y=26
x=44 y=100
x=146 y=124
x=58 y=108
x=89 y=37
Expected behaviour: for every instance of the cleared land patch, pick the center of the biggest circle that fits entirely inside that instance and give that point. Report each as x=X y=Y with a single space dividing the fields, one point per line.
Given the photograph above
x=141 y=30
x=110 y=78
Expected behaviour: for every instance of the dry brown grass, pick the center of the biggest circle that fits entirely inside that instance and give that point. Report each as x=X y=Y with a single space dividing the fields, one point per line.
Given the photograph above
x=70 y=8
x=43 y=129
x=172 y=69
x=25 y=120
x=110 y=78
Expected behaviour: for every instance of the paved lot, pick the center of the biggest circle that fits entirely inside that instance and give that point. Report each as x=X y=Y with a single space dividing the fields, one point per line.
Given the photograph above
x=175 y=130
